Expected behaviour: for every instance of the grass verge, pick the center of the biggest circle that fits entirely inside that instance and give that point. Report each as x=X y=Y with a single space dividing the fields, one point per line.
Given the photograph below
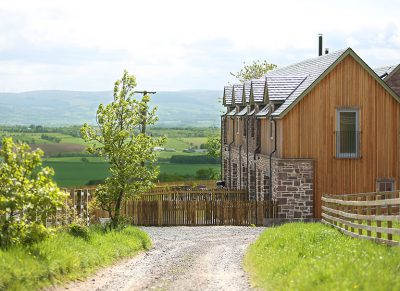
x=298 y=256
x=64 y=257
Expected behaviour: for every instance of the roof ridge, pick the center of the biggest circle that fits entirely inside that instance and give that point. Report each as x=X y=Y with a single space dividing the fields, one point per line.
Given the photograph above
x=308 y=60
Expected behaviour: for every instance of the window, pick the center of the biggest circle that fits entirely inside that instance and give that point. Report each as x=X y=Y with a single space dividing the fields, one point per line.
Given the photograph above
x=237 y=125
x=383 y=185
x=252 y=125
x=347 y=134
x=244 y=127
x=234 y=175
x=225 y=128
x=258 y=137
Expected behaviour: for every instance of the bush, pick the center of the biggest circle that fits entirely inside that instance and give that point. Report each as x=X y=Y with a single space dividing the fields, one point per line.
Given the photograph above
x=78 y=230
x=206 y=174
x=28 y=195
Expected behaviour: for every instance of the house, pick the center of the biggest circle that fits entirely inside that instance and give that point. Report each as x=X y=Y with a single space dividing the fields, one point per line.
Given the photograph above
x=330 y=124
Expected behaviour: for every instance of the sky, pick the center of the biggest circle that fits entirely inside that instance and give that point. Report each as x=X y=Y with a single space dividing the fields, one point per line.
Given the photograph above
x=180 y=45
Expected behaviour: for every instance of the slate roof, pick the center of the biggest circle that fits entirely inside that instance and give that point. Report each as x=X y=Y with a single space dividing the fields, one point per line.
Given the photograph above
x=228 y=90
x=264 y=112
x=232 y=113
x=258 y=87
x=246 y=91
x=238 y=93
x=242 y=112
x=312 y=68
x=280 y=87
x=383 y=72
x=289 y=84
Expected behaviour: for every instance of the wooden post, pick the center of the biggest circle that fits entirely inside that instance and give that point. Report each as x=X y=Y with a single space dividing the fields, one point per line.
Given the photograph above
x=160 y=212
x=378 y=212
x=389 y=213
x=359 y=212
x=369 y=213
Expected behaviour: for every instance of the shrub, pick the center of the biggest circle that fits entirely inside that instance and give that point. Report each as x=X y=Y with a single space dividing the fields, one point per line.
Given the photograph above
x=28 y=196
x=78 y=230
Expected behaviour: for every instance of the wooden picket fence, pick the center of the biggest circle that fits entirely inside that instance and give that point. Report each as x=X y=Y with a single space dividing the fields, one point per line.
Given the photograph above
x=196 y=212
x=373 y=216
x=182 y=207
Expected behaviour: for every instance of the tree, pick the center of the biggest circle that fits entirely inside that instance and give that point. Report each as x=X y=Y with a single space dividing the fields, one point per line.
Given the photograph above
x=28 y=194
x=118 y=137
x=253 y=71
x=213 y=145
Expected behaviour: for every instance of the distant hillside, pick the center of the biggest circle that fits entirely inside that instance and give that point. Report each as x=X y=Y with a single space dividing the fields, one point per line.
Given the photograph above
x=175 y=109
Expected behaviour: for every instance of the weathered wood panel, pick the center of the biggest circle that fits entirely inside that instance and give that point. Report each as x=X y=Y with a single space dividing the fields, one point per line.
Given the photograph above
x=308 y=131
x=196 y=213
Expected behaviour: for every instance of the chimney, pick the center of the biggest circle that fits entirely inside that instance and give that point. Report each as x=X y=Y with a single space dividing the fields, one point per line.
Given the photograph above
x=326 y=50
x=320 y=44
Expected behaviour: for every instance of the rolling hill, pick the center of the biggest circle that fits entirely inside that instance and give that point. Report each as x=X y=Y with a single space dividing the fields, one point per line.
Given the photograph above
x=56 y=108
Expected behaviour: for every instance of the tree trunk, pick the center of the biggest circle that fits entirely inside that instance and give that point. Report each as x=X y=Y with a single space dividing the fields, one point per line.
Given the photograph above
x=118 y=209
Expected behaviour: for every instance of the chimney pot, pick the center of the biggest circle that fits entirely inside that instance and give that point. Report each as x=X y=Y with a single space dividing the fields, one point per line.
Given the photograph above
x=326 y=51
x=320 y=44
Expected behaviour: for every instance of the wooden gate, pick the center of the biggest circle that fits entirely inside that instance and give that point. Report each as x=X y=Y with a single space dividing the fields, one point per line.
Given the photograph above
x=216 y=212
x=189 y=207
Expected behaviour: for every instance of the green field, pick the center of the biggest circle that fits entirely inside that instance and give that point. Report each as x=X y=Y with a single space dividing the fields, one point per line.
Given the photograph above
x=75 y=167
x=72 y=172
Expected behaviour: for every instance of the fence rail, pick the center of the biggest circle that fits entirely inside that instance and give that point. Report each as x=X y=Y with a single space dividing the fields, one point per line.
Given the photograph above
x=373 y=216
x=192 y=212
x=190 y=207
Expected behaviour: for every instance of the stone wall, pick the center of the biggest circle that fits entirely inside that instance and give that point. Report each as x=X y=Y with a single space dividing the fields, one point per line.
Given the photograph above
x=293 y=189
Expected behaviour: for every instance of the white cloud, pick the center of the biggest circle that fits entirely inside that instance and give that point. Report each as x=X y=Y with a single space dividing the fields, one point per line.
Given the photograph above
x=178 y=44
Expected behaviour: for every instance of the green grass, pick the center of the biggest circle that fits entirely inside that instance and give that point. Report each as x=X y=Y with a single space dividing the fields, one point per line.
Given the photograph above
x=300 y=256
x=63 y=257
x=72 y=171
x=68 y=173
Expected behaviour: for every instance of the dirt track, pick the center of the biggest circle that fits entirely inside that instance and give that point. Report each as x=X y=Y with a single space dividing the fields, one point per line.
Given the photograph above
x=183 y=258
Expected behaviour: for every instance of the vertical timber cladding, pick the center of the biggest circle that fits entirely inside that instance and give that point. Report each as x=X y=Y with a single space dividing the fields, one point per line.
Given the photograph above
x=308 y=131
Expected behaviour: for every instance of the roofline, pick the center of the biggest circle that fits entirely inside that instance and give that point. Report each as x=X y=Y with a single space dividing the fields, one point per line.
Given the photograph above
x=346 y=53
x=394 y=71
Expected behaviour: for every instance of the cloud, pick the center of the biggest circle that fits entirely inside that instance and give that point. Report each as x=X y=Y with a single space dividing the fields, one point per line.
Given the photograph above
x=176 y=44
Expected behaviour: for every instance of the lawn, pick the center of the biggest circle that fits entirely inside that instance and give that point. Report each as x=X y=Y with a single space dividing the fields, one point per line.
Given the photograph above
x=65 y=257
x=299 y=256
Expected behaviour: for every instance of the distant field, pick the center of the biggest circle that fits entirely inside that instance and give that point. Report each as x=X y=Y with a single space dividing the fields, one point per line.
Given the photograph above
x=77 y=173
x=75 y=167
x=73 y=172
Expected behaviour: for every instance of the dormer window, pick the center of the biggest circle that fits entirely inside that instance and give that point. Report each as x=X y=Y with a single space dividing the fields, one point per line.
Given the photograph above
x=347 y=133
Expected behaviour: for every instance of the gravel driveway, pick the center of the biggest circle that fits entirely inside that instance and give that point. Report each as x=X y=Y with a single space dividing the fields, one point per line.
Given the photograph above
x=183 y=258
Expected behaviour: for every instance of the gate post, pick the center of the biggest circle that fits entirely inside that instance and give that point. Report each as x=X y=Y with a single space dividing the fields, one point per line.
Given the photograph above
x=160 y=212
x=135 y=212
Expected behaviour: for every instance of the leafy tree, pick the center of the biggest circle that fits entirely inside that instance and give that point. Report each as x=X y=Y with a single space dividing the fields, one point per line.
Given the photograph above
x=28 y=194
x=213 y=145
x=253 y=71
x=119 y=138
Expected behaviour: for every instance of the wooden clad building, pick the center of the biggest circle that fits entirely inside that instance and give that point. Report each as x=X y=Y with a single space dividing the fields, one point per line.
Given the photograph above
x=326 y=125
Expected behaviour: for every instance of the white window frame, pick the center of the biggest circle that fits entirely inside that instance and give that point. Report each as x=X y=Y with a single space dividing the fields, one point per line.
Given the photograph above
x=357 y=154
